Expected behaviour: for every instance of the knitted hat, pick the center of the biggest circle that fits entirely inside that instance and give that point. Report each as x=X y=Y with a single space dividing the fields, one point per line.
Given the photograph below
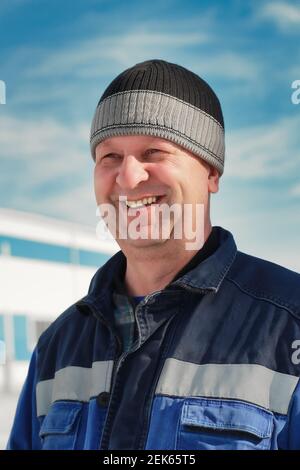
x=165 y=100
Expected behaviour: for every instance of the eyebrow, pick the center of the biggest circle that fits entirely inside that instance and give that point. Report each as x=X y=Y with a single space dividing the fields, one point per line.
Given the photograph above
x=160 y=142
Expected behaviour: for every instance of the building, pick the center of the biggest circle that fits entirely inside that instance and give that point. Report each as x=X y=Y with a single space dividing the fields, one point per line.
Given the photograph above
x=45 y=266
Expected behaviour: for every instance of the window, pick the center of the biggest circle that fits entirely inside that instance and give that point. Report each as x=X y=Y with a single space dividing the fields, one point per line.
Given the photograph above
x=22 y=352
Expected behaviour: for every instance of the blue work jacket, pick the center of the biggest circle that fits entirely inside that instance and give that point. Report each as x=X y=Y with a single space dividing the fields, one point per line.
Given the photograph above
x=215 y=364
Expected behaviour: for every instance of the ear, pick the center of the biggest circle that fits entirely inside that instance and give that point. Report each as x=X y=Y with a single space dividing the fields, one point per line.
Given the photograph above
x=213 y=180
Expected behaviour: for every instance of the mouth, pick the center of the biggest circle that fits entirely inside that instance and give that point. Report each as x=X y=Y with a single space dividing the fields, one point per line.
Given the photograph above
x=143 y=202
x=140 y=203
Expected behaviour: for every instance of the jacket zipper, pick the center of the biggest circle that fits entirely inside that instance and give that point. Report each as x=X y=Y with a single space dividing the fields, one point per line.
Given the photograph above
x=142 y=441
x=123 y=356
x=118 y=362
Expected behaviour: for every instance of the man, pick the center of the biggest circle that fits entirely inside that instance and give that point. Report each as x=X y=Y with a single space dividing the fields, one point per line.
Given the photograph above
x=175 y=346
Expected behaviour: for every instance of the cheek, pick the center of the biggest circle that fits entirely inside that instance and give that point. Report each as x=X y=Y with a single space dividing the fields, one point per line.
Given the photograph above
x=166 y=174
x=195 y=187
x=102 y=185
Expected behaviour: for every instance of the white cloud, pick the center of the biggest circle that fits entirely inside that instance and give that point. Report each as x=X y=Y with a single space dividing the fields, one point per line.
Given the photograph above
x=268 y=232
x=43 y=137
x=89 y=57
x=262 y=151
x=230 y=65
x=46 y=167
x=278 y=253
x=76 y=204
x=285 y=15
x=99 y=57
x=295 y=190
x=102 y=55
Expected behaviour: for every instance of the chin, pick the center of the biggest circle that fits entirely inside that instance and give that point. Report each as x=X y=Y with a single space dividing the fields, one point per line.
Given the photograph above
x=141 y=243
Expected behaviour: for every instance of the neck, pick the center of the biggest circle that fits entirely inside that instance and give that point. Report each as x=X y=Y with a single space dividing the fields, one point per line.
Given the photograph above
x=150 y=269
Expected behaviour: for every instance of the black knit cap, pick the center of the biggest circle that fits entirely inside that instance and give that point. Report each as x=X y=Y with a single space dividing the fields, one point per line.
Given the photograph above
x=166 y=100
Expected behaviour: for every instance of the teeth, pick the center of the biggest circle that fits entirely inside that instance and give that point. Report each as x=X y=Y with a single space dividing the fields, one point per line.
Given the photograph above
x=141 y=202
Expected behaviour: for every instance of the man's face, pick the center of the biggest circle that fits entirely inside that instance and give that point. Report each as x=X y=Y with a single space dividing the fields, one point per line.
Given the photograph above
x=142 y=167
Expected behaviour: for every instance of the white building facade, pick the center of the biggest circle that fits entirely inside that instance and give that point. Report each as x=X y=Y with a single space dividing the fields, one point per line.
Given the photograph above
x=45 y=266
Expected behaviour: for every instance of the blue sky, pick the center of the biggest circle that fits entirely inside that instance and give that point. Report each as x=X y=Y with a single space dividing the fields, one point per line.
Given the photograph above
x=58 y=57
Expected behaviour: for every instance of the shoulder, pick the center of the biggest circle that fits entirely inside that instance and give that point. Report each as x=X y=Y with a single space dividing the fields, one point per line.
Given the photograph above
x=72 y=320
x=58 y=338
x=267 y=281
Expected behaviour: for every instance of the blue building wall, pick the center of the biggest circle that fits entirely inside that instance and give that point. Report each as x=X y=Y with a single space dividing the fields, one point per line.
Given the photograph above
x=54 y=253
x=36 y=250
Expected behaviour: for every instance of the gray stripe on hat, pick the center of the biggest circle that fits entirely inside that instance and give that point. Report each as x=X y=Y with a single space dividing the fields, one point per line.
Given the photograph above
x=74 y=383
x=148 y=112
x=249 y=382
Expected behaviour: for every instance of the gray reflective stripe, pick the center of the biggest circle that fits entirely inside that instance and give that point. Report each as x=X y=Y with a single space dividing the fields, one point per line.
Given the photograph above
x=249 y=382
x=74 y=383
x=162 y=115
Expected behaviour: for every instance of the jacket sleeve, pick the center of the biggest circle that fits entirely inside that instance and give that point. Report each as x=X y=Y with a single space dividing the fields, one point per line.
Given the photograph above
x=25 y=430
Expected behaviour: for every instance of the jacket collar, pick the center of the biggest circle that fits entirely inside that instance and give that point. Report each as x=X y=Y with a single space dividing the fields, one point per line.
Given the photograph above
x=207 y=275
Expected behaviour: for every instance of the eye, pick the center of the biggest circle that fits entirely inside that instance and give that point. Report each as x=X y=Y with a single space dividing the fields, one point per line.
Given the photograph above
x=154 y=152
x=109 y=157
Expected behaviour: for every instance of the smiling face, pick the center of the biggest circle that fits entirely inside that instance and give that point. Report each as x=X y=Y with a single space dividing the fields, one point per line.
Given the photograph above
x=150 y=171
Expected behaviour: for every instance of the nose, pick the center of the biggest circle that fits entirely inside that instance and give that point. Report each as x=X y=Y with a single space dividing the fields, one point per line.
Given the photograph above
x=131 y=172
